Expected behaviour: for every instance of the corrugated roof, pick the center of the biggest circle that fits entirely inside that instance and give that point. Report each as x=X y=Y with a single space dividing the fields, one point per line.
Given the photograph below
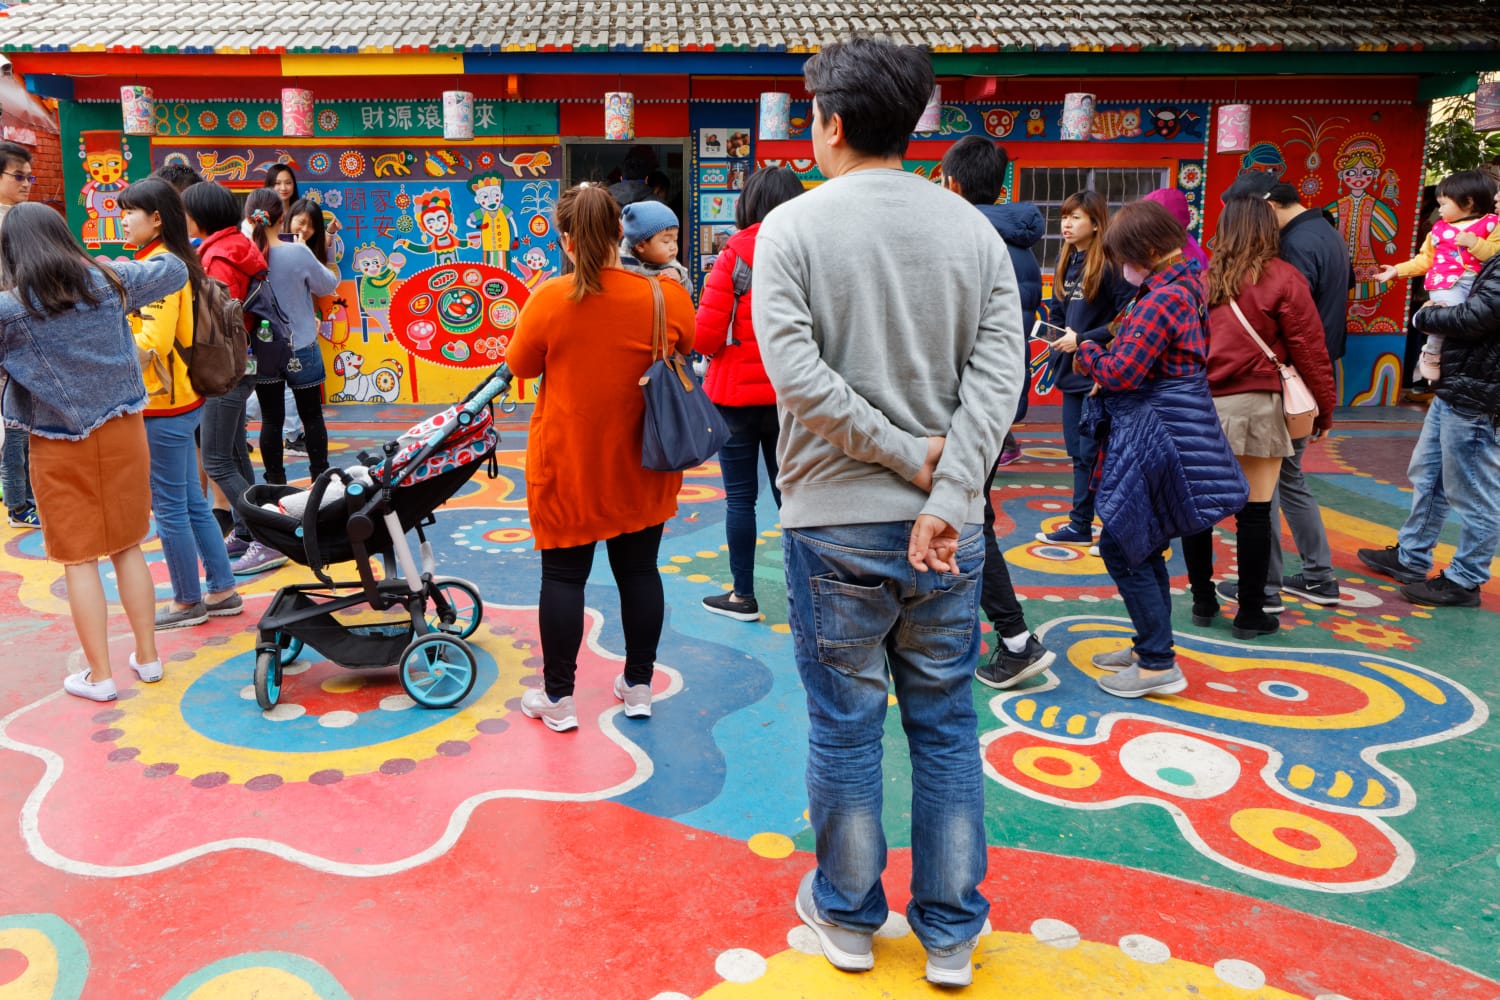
x=313 y=26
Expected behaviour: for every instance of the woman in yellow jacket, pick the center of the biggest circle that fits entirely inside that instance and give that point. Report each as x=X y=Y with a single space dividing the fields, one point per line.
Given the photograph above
x=155 y=222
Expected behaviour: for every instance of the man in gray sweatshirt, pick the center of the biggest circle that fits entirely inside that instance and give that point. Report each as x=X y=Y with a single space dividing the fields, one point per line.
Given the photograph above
x=886 y=309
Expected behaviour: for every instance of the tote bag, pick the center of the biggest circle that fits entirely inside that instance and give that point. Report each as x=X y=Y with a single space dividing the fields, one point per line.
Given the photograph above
x=1297 y=401
x=683 y=427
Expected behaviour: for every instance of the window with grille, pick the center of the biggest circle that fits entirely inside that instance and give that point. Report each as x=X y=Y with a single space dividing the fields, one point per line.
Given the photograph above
x=1047 y=187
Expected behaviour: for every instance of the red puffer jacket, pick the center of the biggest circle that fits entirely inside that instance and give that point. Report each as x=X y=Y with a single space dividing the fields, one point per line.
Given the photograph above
x=736 y=376
x=230 y=256
x=1280 y=307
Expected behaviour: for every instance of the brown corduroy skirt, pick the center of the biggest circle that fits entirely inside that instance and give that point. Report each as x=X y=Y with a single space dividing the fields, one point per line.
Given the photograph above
x=93 y=496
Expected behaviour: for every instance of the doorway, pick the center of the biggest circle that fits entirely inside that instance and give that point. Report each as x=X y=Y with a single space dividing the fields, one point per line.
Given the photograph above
x=588 y=160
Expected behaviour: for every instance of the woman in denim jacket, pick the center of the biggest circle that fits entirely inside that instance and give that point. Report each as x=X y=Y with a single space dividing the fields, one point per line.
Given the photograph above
x=75 y=387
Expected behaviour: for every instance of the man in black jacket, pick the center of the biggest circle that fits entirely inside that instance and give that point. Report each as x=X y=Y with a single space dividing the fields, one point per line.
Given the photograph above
x=1456 y=463
x=1316 y=250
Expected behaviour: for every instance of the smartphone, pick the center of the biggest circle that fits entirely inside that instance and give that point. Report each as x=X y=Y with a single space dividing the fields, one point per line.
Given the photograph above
x=1046 y=332
x=288 y=237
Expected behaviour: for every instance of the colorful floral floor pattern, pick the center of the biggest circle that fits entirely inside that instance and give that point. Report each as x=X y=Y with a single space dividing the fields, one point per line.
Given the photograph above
x=1313 y=818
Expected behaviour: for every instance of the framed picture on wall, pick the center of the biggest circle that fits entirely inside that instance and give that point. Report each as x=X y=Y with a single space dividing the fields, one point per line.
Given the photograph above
x=717 y=207
x=713 y=142
x=715 y=176
x=737 y=173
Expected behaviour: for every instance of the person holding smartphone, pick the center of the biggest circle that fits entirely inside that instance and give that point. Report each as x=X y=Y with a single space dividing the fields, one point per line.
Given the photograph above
x=1087 y=293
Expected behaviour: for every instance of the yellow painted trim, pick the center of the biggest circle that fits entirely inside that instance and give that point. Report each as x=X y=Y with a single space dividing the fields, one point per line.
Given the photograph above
x=1374 y=793
x=1420 y=686
x=385 y=63
x=1342 y=785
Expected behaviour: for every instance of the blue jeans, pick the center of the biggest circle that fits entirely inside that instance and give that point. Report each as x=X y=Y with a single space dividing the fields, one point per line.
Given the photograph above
x=1146 y=591
x=753 y=431
x=862 y=618
x=226 y=451
x=184 y=519
x=1455 y=465
x=1084 y=452
x=15 y=471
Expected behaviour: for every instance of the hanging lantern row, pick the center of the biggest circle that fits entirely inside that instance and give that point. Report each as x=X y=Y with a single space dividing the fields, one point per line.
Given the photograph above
x=619 y=115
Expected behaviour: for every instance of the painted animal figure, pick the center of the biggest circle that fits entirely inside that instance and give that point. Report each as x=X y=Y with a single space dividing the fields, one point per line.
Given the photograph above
x=537 y=163
x=211 y=167
x=1116 y=125
x=442 y=162
x=391 y=164
x=381 y=385
x=999 y=121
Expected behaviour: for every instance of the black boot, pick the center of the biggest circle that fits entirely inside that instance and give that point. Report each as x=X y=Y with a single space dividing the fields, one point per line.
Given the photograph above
x=1253 y=542
x=1198 y=553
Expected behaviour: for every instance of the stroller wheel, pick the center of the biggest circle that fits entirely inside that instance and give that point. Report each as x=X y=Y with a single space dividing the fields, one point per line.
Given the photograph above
x=289 y=647
x=438 y=670
x=267 y=679
x=457 y=608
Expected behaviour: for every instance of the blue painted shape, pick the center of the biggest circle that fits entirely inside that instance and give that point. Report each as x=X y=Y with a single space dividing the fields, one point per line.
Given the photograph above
x=318 y=979
x=72 y=953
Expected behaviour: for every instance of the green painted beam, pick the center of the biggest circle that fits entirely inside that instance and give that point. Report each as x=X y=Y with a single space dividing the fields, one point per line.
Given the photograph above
x=1452 y=85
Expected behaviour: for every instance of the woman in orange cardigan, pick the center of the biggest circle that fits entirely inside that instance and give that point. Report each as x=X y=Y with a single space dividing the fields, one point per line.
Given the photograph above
x=589 y=333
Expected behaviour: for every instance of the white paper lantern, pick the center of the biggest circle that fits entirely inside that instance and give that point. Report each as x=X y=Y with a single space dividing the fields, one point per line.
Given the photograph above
x=458 y=115
x=1233 y=132
x=137 y=109
x=296 y=113
x=932 y=115
x=1077 y=117
x=619 y=115
x=775 y=115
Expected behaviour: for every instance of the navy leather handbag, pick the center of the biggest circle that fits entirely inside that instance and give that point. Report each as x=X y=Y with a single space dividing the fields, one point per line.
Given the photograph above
x=683 y=427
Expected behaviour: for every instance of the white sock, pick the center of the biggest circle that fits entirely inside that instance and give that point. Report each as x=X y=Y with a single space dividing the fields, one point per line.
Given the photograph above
x=1015 y=643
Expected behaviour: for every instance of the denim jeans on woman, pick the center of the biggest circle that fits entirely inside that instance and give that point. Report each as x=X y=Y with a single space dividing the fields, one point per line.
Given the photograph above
x=226 y=451
x=863 y=619
x=1147 y=592
x=1084 y=451
x=753 y=431
x=184 y=519
x=1455 y=466
x=15 y=479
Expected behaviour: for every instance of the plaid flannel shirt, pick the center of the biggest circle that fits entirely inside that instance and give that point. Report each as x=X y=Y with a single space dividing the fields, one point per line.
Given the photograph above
x=1164 y=334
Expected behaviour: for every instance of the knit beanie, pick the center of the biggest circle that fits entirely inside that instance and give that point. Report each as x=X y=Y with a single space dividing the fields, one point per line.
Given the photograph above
x=644 y=219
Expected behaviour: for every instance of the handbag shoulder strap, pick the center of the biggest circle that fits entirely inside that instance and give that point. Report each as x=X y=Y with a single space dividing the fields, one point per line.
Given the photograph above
x=659 y=345
x=1239 y=315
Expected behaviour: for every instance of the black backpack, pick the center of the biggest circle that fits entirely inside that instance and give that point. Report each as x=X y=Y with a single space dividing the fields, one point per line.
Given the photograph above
x=216 y=361
x=273 y=352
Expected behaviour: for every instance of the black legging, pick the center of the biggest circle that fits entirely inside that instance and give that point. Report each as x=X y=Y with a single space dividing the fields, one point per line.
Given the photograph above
x=309 y=400
x=1252 y=540
x=632 y=559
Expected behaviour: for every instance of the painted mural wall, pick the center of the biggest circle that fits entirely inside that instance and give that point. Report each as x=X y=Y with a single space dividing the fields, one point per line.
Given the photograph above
x=439 y=243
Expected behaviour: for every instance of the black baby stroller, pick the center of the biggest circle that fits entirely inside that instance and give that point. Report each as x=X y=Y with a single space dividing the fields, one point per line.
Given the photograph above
x=418 y=473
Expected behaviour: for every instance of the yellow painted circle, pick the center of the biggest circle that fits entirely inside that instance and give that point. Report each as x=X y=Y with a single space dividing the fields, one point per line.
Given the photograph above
x=783 y=628
x=682 y=559
x=771 y=845
x=708 y=554
x=670 y=569
x=699 y=577
x=343 y=683
x=261 y=980
x=1257 y=827
x=1082 y=771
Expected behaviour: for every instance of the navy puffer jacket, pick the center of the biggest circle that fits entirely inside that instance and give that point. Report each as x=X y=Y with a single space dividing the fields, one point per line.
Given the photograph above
x=1168 y=471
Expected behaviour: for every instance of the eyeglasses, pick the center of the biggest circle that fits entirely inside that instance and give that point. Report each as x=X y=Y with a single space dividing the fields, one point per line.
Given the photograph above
x=23 y=178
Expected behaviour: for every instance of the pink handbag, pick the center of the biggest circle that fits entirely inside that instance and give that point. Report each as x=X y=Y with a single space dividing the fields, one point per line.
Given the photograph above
x=1297 y=401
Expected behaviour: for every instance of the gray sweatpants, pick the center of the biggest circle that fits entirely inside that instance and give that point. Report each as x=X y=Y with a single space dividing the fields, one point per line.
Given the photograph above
x=1305 y=518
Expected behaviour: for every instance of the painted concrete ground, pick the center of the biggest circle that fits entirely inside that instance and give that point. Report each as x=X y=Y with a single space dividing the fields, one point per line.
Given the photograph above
x=1315 y=817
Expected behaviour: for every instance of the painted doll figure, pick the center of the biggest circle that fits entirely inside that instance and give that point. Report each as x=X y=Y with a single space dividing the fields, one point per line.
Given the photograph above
x=534 y=268
x=434 y=215
x=492 y=226
x=377 y=276
x=106 y=162
x=1363 y=219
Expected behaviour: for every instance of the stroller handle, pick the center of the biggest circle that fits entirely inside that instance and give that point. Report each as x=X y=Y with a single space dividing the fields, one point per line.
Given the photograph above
x=496 y=385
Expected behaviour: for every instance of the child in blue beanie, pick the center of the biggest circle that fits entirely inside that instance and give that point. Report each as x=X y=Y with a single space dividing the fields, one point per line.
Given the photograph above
x=650 y=243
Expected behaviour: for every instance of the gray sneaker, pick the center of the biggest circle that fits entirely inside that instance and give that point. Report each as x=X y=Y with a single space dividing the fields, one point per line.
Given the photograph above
x=952 y=966
x=1121 y=659
x=637 y=697
x=558 y=715
x=1131 y=683
x=175 y=617
x=851 y=951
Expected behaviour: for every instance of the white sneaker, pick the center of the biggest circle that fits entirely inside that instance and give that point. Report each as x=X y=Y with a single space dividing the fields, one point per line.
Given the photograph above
x=149 y=673
x=558 y=715
x=79 y=684
x=637 y=697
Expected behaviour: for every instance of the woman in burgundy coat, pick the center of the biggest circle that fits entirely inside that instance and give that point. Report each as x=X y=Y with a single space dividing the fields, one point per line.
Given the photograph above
x=737 y=383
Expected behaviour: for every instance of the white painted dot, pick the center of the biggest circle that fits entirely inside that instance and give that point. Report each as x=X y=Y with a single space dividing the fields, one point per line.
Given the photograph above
x=503 y=520
x=1145 y=949
x=1180 y=765
x=396 y=703
x=1330 y=996
x=338 y=720
x=802 y=938
x=1088 y=598
x=895 y=926
x=1051 y=506
x=293 y=669
x=1220 y=686
x=1056 y=933
x=1176 y=591
x=248 y=692
x=1234 y=972
x=1282 y=690
x=740 y=965
x=1022 y=597
x=673 y=996
x=1054 y=598
x=285 y=712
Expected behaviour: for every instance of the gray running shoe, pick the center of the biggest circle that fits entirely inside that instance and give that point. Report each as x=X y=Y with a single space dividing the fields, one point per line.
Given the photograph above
x=558 y=715
x=637 y=697
x=1121 y=659
x=1131 y=683
x=174 y=617
x=952 y=966
x=851 y=951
